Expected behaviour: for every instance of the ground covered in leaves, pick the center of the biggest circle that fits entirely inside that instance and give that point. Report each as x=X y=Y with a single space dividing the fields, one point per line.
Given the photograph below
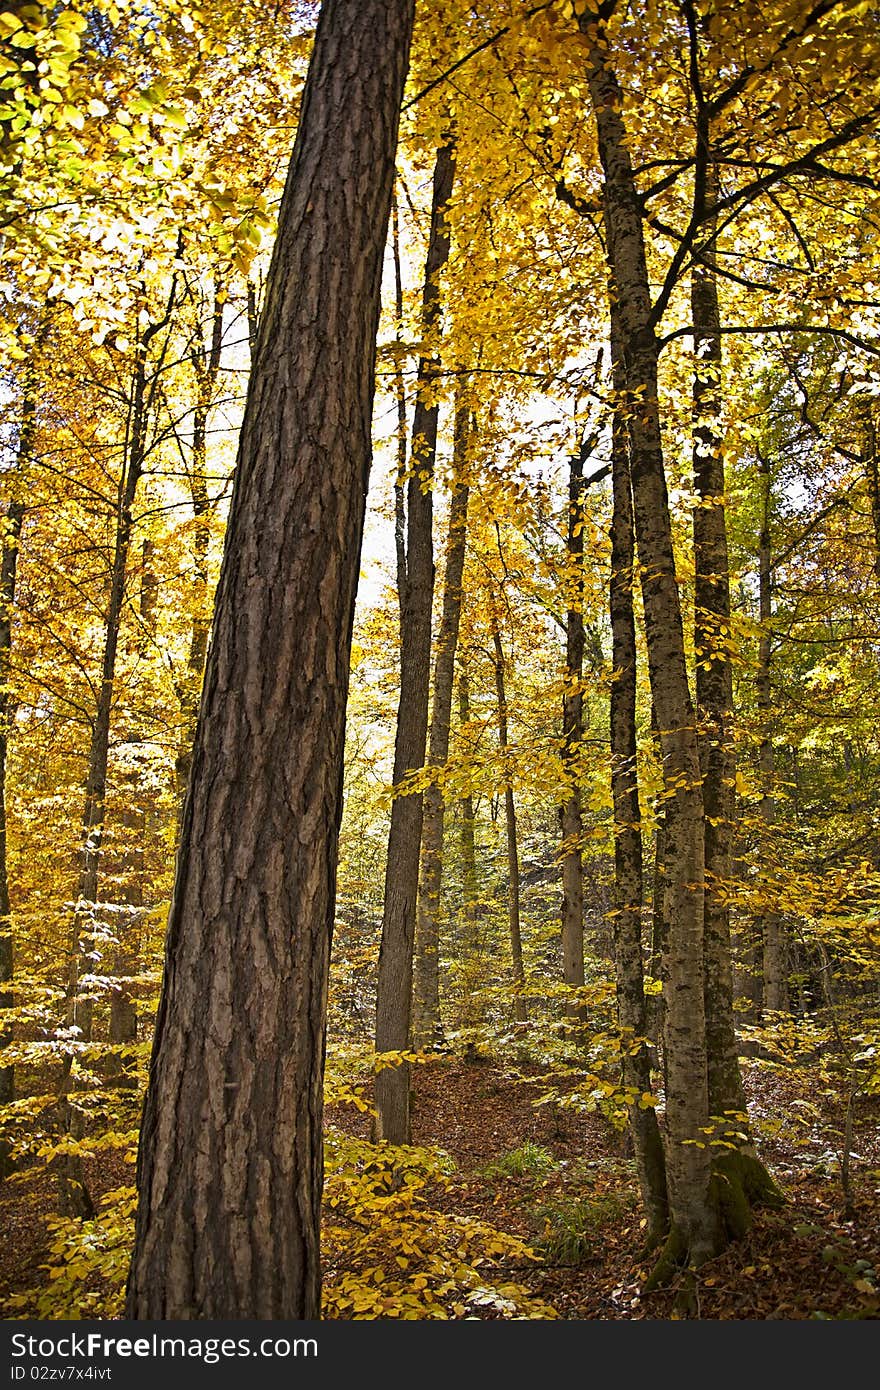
x=527 y=1206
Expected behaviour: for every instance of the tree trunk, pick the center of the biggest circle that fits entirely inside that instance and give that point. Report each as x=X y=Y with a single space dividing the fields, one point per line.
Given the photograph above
x=872 y=473
x=15 y=512
x=714 y=679
x=472 y=911
x=123 y=1009
x=741 y=1179
x=513 y=886
x=427 y=1025
x=394 y=986
x=628 y=873
x=775 y=969
x=230 y=1165
x=694 y=1231
x=571 y=811
x=74 y=1199
x=206 y=363
x=11 y=537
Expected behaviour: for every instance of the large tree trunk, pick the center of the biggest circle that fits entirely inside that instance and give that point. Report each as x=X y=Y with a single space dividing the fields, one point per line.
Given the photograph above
x=628 y=870
x=513 y=876
x=427 y=1025
x=571 y=810
x=394 y=986
x=775 y=967
x=230 y=1165
x=694 y=1230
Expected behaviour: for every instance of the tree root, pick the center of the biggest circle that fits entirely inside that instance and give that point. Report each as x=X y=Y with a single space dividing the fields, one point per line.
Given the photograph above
x=739 y=1184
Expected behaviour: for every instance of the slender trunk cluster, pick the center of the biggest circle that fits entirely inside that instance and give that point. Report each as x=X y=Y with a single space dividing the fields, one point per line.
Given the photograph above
x=628 y=871
x=687 y=1104
x=74 y=1198
x=394 y=987
x=427 y=1025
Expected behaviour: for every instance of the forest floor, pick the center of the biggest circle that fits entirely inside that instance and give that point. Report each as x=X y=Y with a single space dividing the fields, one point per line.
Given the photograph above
x=562 y=1181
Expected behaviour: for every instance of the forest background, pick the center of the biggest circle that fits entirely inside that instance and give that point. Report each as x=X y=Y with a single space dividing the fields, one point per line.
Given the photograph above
x=144 y=152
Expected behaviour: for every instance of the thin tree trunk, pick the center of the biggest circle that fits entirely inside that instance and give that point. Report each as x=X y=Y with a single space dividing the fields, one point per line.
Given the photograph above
x=427 y=1024
x=206 y=363
x=714 y=679
x=14 y=518
x=74 y=1198
x=775 y=969
x=253 y=318
x=230 y=1166
x=628 y=873
x=872 y=472
x=513 y=877
x=694 y=1228
x=471 y=907
x=741 y=1179
x=571 y=811
x=123 y=1009
x=394 y=985
x=400 y=398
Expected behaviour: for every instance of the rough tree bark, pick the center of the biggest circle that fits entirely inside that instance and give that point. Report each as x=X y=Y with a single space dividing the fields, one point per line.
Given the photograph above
x=394 y=985
x=230 y=1163
x=694 y=1228
x=628 y=867
x=427 y=1024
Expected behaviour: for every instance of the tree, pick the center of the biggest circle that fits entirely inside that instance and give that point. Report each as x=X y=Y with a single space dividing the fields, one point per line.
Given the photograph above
x=416 y=591
x=237 y=1064
x=427 y=1023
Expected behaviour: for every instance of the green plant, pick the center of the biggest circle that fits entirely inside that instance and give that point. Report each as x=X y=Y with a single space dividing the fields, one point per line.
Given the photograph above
x=526 y=1161
x=390 y=1253
x=570 y=1225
